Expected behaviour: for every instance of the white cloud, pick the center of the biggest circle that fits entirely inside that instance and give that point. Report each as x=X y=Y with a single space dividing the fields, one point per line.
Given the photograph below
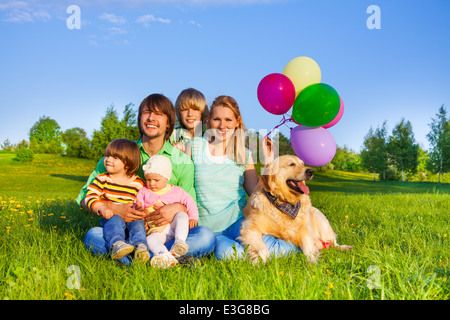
x=42 y=15
x=195 y=23
x=146 y=19
x=14 y=5
x=110 y=17
x=116 y=30
x=19 y=16
x=21 y=11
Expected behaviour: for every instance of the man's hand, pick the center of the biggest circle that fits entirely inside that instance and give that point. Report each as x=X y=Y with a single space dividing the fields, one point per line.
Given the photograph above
x=164 y=214
x=125 y=210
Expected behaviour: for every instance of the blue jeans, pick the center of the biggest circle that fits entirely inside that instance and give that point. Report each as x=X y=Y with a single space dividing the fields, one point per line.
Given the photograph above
x=115 y=229
x=227 y=246
x=201 y=242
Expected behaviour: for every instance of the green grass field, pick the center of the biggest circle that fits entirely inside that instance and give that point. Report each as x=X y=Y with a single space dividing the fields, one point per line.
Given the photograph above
x=399 y=232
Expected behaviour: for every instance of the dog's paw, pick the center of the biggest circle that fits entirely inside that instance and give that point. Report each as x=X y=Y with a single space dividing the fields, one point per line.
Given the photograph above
x=264 y=255
x=312 y=259
x=343 y=247
x=260 y=256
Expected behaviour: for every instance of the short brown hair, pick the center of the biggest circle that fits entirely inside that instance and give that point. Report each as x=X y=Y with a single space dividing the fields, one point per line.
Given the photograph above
x=127 y=151
x=158 y=103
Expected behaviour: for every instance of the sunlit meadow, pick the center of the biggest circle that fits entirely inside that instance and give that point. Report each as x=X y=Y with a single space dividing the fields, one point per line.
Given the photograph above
x=399 y=232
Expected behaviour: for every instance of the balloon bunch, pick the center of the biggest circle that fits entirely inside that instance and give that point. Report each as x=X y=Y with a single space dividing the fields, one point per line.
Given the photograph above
x=315 y=108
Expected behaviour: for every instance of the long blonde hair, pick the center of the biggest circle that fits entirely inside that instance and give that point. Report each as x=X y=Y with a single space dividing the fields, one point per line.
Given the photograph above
x=236 y=149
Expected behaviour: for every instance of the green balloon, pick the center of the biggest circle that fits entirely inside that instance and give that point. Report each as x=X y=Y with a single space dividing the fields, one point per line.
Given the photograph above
x=316 y=105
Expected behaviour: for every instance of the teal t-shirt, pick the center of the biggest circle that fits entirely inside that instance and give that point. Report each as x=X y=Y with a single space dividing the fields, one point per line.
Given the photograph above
x=218 y=182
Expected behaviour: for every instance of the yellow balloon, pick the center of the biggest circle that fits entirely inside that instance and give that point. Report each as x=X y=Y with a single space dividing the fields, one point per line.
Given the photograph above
x=303 y=71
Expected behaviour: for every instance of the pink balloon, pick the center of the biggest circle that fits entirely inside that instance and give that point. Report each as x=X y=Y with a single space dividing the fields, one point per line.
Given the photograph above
x=315 y=146
x=337 y=118
x=276 y=93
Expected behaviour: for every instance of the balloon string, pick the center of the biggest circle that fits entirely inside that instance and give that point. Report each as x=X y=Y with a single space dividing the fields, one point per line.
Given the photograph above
x=282 y=122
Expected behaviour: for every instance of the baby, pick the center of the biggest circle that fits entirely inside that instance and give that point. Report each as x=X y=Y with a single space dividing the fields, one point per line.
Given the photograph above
x=157 y=191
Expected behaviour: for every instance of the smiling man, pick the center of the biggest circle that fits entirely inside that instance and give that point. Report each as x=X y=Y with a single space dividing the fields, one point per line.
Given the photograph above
x=156 y=120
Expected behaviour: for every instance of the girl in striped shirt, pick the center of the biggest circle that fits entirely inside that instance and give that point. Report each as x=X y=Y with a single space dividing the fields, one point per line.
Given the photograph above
x=119 y=184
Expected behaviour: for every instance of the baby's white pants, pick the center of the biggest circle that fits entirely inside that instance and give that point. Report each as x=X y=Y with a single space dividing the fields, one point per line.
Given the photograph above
x=178 y=229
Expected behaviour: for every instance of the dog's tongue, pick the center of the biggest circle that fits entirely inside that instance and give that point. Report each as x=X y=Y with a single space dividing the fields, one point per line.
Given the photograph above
x=303 y=187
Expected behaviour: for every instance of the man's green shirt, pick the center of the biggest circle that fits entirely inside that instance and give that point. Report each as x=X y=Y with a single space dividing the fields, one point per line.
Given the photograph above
x=182 y=169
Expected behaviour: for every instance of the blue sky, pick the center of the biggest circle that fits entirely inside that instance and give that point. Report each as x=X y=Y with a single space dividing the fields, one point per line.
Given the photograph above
x=126 y=50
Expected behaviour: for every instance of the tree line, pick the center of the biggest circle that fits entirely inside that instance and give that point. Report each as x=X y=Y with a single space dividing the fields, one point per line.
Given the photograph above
x=393 y=157
x=400 y=155
x=45 y=136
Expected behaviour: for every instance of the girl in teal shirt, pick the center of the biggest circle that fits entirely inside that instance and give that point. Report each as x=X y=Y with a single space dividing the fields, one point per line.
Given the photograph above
x=224 y=175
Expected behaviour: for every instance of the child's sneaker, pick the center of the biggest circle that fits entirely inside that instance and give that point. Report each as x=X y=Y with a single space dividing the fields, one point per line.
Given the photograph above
x=164 y=260
x=120 y=249
x=179 y=248
x=141 y=254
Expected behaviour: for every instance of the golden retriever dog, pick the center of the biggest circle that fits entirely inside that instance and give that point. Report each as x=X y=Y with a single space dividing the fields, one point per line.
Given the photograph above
x=280 y=206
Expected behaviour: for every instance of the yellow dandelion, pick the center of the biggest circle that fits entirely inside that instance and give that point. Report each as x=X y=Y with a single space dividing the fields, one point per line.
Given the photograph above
x=346 y=217
x=330 y=285
x=281 y=273
x=27 y=225
x=445 y=235
x=30 y=212
x=69 y=296
x=7 y=228
x=327 y=293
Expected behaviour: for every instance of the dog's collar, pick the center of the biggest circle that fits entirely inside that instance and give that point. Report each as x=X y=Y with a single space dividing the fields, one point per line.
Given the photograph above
x=289 y=209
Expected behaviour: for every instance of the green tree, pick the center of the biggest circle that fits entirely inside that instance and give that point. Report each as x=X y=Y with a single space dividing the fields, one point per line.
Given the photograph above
x=7 y=146
x=285 y=146
x=374 y=151
x=23 y=152
x=77 y=143
x=113 y=128
x=439 y=138
x=129 y=123
x=346 y=160
x=403 y=149
x=45 y=136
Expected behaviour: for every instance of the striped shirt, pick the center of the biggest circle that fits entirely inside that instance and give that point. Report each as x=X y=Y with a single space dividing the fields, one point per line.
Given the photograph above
x=218 y=182
x=103 y=188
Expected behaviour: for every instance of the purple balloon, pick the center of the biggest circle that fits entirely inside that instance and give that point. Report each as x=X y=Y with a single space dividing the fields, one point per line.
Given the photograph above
x=315 y=146
x=276 y=93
